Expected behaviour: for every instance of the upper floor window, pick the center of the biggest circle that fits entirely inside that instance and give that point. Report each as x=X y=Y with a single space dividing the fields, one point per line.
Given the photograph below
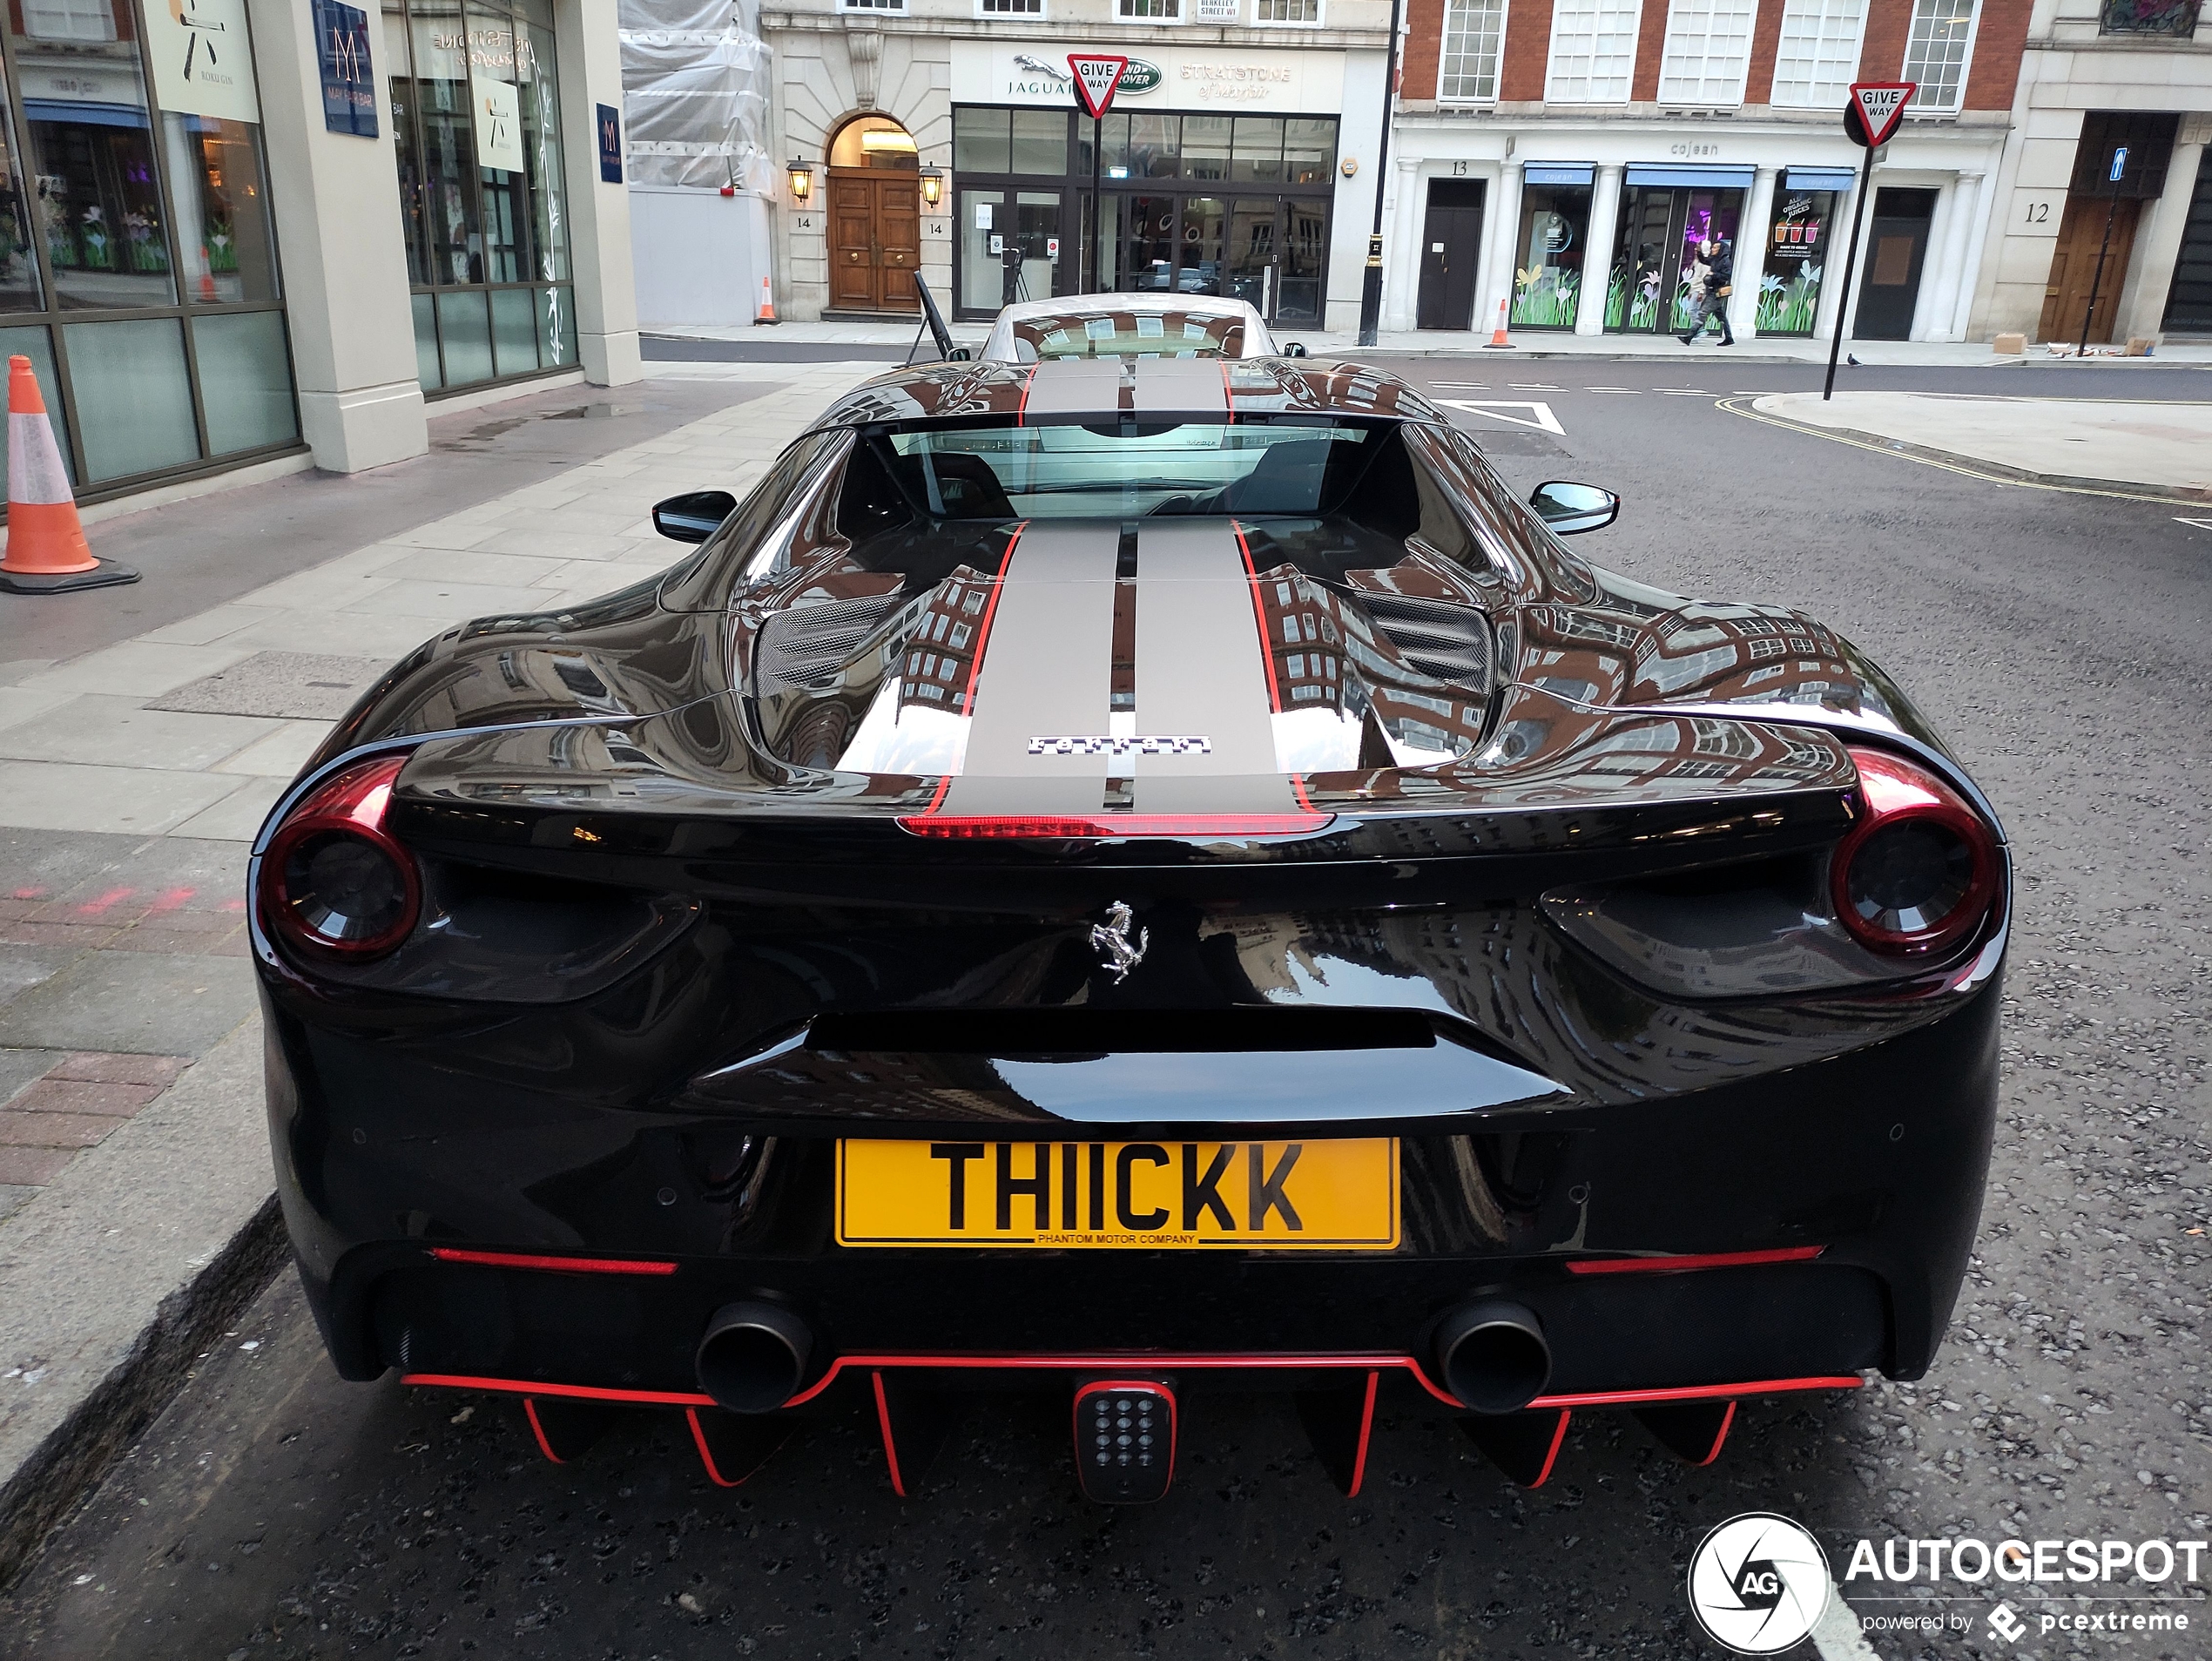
x=1816 y=58
x=1286 y=12
x=1935 y=52
x=1152 y=11
x=69 y=20
x=2174 y=18
x=1474 y=35
x=1593 y=52
x=1708 y=51
x=874 y=5
x=1010 y=8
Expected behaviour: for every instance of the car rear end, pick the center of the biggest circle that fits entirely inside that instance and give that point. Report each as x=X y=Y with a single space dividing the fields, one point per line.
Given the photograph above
x=1654 y=1069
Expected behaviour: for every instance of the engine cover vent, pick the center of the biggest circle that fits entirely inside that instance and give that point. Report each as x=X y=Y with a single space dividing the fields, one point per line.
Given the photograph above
x=1450 y=642
x=804 y=648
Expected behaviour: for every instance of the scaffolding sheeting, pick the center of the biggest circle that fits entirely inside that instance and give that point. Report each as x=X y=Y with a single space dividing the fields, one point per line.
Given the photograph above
x=695 y=93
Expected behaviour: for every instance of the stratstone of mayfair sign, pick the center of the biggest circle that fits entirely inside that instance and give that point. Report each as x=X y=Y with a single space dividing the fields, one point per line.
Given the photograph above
x=1169 y=78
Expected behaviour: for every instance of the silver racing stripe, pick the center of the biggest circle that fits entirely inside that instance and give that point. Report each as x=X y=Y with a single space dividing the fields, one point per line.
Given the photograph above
x=1200 y=668
x=1048 y=667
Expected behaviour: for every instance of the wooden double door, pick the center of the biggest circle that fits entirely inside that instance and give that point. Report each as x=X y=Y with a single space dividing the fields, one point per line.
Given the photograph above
x=876 y=240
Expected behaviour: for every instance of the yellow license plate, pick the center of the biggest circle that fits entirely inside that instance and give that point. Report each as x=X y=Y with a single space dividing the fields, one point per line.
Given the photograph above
x=1337 y=1195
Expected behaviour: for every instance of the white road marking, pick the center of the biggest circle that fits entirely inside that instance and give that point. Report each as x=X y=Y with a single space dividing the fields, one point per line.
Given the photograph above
x=1633 y=392
x=1463 y=386
x=1835 y=1634
x=1534 y=386
x=1539 y=415
x=1683 y=391
x=2202 y=524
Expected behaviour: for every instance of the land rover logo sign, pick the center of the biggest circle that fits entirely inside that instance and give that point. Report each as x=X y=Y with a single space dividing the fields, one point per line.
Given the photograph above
x=1139 y=76
x=1758 y=1583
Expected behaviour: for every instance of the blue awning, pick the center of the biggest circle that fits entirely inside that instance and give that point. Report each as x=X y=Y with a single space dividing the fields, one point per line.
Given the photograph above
x=84 y=114
x=1707 y=178
x=1558 y=172
x=1819 y=178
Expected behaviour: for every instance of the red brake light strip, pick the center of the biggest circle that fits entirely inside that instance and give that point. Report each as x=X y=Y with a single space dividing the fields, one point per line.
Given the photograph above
x=1678 y=1265
x=1202 y=827
x=551 y=1265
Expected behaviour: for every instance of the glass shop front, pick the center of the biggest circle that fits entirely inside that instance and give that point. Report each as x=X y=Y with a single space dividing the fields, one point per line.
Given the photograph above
x=476 y=117
x=138 y=268
x=1666 y=214
x=1191 y=202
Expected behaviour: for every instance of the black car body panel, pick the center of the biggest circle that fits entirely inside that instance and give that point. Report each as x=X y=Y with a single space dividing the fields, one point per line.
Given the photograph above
x=1536 y=881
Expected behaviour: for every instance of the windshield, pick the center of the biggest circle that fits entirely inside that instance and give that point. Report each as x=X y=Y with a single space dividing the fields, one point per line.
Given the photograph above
x=1143 y=335
x=1076 y=472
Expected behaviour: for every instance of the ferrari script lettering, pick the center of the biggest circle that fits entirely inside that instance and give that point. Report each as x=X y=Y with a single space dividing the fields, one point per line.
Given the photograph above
x=1083 y=1189
x=1121 y=746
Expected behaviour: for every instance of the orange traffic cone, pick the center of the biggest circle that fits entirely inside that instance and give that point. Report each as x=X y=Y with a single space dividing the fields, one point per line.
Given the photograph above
x=767 y=305
x=46 y=551
x=1498 y=335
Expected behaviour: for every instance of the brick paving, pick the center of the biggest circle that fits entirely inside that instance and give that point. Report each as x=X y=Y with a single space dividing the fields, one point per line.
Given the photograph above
x=74 y=1105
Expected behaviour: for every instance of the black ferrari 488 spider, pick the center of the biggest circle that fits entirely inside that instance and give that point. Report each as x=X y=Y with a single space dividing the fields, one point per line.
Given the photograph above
x=1119 y=876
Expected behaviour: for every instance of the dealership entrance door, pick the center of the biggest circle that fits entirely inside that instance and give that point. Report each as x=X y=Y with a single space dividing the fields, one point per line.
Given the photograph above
x=1270 y=251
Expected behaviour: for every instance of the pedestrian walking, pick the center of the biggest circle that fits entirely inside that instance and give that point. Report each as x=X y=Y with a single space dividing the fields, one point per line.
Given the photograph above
x=1712 y=283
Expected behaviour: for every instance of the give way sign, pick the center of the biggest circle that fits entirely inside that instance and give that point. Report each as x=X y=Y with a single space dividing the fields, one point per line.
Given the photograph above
x=1096 y=76
x=1879 y=107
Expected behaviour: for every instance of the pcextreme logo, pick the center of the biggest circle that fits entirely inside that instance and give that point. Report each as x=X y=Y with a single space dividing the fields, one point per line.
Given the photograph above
x=1758 y=1583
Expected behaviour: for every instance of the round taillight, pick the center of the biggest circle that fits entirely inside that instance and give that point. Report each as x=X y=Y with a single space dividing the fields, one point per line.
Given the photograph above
x=1915 y=876
x=334 y=881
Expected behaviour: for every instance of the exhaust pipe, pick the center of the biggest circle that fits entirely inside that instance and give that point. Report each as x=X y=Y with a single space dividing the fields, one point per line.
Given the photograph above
x=1493 y=1356
x=752 y=1357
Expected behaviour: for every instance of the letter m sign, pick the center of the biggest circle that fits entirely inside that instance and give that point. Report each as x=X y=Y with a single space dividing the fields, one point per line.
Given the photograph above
x=1096 y=76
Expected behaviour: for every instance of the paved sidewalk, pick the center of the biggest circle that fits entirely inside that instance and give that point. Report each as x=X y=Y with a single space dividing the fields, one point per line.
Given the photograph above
x=135 y=1208
x=1528 y=343
x=2158 y=448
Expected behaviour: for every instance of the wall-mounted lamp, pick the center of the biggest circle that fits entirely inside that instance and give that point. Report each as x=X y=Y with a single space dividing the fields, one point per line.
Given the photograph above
x=802 y=177
x=933 y=186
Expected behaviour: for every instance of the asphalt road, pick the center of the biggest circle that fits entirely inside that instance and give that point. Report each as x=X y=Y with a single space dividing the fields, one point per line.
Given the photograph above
x=2060 y=640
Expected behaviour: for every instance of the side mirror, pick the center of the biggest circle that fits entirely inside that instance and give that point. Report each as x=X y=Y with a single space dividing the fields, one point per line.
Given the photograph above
x=960 y=354
x=1572 y=509
x=693 y=516
x=1295 y=349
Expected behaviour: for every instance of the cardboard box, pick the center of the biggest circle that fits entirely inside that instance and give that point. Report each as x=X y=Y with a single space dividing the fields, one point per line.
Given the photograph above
x=2009 y=345
x=2138 y=346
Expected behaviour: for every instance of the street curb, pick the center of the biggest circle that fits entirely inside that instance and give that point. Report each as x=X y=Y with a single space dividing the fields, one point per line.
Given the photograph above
x=1524 y=353
x=74 y=1458
x=2194 y=494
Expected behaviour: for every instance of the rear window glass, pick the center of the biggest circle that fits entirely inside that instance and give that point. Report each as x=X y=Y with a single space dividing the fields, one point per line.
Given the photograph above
x=1078 y=472
x=1127 y=334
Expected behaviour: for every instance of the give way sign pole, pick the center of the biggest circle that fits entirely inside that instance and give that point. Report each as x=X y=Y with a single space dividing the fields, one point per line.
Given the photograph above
x=1096 y=76
x=1869 y=117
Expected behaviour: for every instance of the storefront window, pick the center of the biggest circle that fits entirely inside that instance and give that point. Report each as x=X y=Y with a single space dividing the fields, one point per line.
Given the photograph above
x=1547 y=270
x=222 y=209
x=138 y=264
x=1263 y=238
x=91 y=152
x=475 y=100
x=1796 y=253
x=1649 y=288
